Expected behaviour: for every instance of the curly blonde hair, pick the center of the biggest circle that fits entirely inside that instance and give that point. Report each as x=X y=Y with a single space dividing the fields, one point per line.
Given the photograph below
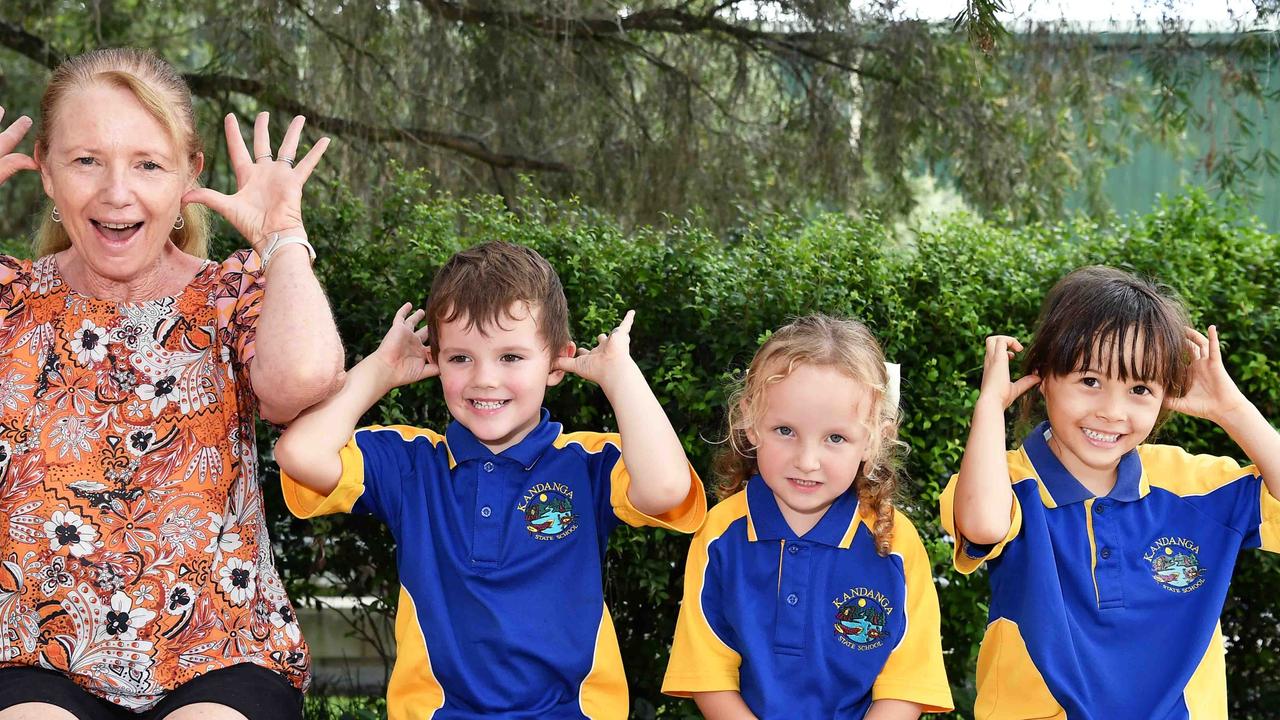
x=849 y=347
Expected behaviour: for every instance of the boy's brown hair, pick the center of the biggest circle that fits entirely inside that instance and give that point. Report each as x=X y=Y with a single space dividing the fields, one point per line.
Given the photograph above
x=482 y=283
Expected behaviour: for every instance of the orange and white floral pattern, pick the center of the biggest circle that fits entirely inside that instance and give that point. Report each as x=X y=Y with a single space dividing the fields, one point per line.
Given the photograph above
x=133 y=548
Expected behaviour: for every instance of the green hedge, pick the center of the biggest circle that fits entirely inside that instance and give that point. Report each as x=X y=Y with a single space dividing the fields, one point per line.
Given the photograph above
x=703 y=302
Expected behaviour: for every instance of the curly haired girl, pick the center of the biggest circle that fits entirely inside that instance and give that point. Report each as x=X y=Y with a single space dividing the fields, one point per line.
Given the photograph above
x=806 y=593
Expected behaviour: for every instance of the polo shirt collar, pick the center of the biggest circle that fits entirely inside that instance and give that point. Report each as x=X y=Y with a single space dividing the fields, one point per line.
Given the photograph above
x=464 y=446
x=765 y=522
x=1060 y=487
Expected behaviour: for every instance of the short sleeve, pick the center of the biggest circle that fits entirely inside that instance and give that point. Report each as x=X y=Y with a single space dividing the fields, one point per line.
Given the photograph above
x=612 y=482
x=701 y=660
x=377 y=463
x=685 y=517
x=13 y=283
x=15 y=277
x=966 y=556
x=306 y=503
x=914 y=671
x=1268 y=535
x=240 y=289
x=1220 y=488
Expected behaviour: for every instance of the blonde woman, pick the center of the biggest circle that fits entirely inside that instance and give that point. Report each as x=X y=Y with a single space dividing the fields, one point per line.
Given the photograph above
x=136 y=577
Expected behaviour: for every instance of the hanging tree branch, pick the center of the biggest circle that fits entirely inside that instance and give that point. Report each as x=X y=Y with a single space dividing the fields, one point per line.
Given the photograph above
x=214 y=85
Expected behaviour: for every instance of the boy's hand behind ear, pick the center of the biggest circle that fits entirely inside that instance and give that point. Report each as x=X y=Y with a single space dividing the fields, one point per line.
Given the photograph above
x=403 y=356
x=609 y=358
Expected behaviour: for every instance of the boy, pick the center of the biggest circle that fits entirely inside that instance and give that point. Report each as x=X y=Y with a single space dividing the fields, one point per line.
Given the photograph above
x=501 y=523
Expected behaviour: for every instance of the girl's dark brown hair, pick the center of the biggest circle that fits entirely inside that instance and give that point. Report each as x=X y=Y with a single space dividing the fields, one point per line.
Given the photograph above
x=849 y=347
x=1110 y=321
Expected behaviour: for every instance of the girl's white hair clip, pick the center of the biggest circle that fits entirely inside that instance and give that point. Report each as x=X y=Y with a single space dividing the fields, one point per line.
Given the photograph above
x=891 y=393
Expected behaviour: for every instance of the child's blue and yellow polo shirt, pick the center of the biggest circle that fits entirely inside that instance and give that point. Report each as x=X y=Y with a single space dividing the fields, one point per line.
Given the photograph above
x=500 y=558
x=1107 y=607
x=807 y=627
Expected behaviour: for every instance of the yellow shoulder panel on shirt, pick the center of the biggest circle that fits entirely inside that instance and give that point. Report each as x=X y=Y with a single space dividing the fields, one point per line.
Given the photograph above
x=603 y=694
x=592 y=442
x=906 y=539
x=1019 y=470
x=1270 y=528
x=1009 y=685
x=305 y=503
x=685 y=517
x=915 y=671
x=414 y=693
x=725 y=513
x=1206 y=691
x=700 y=661
x=1181 y=473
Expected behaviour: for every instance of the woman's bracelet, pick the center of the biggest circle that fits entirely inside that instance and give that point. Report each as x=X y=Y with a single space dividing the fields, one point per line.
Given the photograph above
x=277 y=241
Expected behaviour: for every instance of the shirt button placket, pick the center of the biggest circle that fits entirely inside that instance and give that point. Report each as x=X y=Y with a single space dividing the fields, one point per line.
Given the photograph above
x=794 y=596
x=487 y=549
x=1108 y=570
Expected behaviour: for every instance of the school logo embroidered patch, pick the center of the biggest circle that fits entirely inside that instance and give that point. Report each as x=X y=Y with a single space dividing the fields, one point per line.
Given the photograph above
x=1175 y=564
x=862 y=618
x=548 y=511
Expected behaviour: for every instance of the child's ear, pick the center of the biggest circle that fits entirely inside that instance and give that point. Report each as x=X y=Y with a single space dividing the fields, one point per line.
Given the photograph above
x=752 y=437
x=555 y=376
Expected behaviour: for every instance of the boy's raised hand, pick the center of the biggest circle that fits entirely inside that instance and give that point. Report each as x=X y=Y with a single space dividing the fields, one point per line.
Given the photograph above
x=611 y=353
x=996 y=383
x=403 y=355
x=1211 y=393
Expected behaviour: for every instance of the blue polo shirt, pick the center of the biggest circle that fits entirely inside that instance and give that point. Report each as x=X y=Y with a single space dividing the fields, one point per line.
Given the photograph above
x=501 y=560
x=810 y=627
x=1108 y=607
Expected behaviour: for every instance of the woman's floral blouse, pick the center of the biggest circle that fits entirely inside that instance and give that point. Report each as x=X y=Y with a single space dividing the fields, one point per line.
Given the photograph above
x=133 y=549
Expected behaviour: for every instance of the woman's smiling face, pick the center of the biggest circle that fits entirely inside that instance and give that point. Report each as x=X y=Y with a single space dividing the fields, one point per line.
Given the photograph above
x=117 y=178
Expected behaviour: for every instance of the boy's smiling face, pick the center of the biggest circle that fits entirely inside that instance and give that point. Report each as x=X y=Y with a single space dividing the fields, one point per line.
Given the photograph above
x=495 y=377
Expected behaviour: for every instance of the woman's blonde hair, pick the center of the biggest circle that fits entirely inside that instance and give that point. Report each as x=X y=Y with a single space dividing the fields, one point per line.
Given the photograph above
x=162 y=92
x=849 y=347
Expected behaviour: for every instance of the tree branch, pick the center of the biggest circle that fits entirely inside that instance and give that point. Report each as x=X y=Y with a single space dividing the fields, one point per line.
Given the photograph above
x=213 y=85
x=670 y=21
x=24 y=43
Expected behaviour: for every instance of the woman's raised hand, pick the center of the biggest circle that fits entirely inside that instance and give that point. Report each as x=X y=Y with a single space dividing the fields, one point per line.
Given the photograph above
x=268 y=196
x=13 y=162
